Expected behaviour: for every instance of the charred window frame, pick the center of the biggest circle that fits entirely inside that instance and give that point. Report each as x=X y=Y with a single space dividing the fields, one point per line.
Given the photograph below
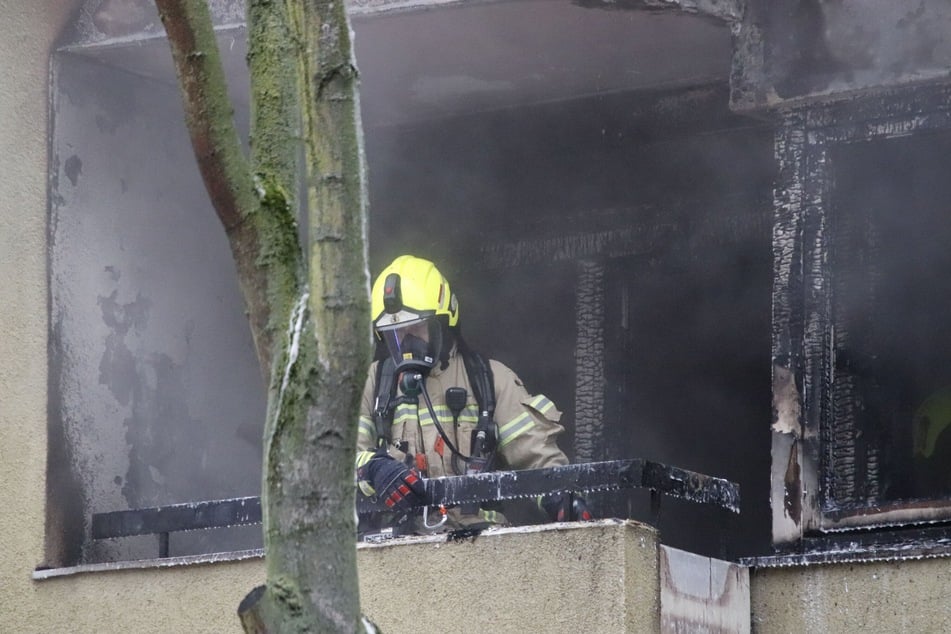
x=144 y=305
x=840 y=460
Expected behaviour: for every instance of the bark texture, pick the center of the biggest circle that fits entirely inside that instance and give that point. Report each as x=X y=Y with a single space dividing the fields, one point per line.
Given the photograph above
x=256 y=208
x=309 y=318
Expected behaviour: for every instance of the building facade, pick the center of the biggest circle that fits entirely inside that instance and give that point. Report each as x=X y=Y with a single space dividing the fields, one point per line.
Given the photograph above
x=735 y=251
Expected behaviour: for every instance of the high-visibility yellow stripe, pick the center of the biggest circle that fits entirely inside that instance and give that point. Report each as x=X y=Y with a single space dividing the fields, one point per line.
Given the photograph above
x=366 y=427
x=524 y=421
x=489 y=516
x=404 y=416
x=363 y=457
x=541 y=403
x=409 y=413
x=515 y=428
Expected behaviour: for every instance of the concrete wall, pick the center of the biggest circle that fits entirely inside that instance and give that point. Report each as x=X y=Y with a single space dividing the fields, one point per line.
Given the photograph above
x=600 y=577
x=887 y=597
x=27 y=30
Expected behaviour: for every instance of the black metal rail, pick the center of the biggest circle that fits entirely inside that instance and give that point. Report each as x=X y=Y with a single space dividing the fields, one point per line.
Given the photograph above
x=450 y=491
x=162 y=520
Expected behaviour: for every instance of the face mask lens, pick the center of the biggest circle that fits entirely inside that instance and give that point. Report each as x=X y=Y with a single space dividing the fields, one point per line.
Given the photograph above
x=417 y=342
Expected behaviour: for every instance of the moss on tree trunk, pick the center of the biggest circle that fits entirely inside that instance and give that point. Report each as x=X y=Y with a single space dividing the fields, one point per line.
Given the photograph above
x=309 y=316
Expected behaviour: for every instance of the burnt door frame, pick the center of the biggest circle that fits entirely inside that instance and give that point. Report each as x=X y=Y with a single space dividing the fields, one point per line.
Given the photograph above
x=803 y=497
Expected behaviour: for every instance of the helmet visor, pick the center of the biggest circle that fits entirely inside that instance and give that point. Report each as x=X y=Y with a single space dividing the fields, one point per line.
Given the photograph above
x=416 y=343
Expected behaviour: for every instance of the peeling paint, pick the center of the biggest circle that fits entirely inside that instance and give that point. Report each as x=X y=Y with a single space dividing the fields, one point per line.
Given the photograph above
x=700 y=594
x=792 y=485
x=117 y=365
x=786 y=403
x=152 y=364
x=73 y=167
x=159 y=429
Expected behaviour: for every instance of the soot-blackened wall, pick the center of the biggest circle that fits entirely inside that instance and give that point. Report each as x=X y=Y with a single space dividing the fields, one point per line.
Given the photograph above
x=615 y=251
x=859 y=337
x=156 y=396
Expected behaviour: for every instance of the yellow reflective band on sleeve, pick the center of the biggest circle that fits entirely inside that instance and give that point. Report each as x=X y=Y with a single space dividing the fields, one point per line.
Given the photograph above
x=541 y=404
x=363 y=457
x=366 y=427
x=489 y=516
x=515 y=428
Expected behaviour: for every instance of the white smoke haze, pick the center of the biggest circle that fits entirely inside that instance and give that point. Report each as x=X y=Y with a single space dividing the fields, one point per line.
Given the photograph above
x=508 y=148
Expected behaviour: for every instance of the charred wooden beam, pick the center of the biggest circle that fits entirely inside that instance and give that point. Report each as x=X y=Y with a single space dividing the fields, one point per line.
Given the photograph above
x=727 y=10
x=177 y=517
x=916 y=543
x=589 y=362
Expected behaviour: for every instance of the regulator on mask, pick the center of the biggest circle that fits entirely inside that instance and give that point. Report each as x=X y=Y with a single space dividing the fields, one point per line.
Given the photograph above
x=413 y=309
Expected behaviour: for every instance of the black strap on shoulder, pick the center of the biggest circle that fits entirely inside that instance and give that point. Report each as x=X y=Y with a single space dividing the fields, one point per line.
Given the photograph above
x=483 y=384
x=384 y=401
x=481 y=380
x=485 y=435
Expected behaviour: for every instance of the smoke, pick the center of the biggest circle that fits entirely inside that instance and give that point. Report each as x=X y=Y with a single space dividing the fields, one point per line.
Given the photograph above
x=886 y=38
x=835 y=46
x=663 y=192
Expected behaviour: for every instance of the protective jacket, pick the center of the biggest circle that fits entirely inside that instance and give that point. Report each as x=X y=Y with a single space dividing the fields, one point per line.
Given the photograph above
x=528 y=428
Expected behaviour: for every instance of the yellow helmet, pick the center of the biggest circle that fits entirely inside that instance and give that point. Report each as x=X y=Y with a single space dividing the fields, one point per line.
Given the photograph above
x=411 y=288
x=412 y=305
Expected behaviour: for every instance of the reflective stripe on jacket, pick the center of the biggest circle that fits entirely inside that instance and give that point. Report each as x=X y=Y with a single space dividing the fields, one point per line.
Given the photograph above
x=528 y=426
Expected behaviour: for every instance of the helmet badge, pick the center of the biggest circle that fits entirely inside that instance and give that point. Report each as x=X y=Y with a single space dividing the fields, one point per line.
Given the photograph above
x=392 y=294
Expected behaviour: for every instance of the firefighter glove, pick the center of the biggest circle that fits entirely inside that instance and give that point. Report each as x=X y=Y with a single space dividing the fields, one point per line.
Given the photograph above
x=397 y=485
x=566 y=507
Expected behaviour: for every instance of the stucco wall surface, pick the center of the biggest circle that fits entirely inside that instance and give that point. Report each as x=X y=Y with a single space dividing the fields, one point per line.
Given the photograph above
x=558 y=578
x=27 y=30
x=891 y=596
x=198 y=599
x=600 y=577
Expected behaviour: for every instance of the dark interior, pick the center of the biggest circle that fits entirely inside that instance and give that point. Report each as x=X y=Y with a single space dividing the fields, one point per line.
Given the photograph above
x=892 y=300
x=586 y=161
x=686 y=308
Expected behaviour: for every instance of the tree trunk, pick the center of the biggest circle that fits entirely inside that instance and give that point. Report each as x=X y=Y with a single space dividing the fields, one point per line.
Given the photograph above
x=256 y=208
x=311 y=330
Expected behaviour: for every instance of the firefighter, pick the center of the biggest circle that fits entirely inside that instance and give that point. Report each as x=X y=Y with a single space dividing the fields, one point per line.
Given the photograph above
x=932 y=445
x=432 y=407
